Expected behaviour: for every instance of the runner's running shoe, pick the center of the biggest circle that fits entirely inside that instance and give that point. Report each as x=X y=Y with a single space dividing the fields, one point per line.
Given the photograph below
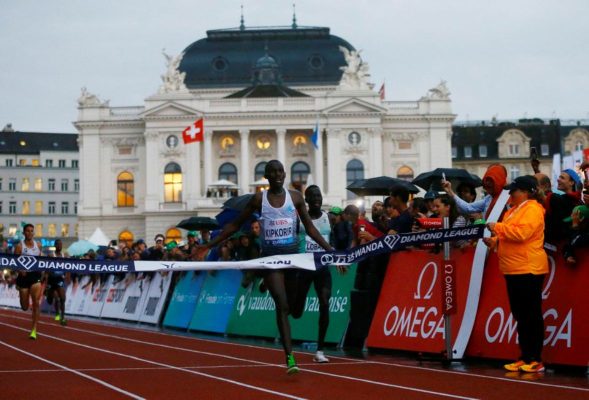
x=57 y=317
x=63 y=322
x=33 y=335
x=514 y=366
x=320 y=357
x=534 y=366
x=291 y=365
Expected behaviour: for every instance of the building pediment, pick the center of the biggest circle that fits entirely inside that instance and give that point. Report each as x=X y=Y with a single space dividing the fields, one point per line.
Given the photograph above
x=170 y=110
x=354 y=106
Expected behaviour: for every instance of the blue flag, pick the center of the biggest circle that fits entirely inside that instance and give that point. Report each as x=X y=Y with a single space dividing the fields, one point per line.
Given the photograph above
x=315 y=136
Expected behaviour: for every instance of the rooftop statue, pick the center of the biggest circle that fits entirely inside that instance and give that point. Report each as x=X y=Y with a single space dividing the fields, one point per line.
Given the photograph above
x=173 y=79
x=88 y=99
x=439 y=92
x=355 y=74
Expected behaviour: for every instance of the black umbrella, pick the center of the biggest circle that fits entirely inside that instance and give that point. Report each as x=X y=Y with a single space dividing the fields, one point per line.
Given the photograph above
x=239 y=202
x=198 y=223
x=433 y=179
x=379 y=186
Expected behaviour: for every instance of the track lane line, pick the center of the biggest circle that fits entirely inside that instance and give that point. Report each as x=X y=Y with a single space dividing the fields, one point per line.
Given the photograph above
x=345 y=377
x=168 y=366
x=73 y=371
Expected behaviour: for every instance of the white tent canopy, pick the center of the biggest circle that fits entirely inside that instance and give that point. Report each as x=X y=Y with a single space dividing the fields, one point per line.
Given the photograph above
x=223 y=183
x=260 y=182
x=99 y=238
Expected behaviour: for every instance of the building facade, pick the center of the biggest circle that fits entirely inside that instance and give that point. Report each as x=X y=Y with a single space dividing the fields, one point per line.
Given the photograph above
x=262 y=93
x=39 y=184
x=475 y=146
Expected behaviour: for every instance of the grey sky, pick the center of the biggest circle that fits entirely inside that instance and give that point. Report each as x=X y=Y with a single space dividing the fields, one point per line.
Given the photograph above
x=505 y=57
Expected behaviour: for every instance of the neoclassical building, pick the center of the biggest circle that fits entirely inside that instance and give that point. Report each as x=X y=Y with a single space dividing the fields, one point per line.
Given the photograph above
x=262 y=93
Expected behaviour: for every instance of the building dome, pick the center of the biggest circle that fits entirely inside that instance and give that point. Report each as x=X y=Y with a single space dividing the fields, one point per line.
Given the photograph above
x=226 y=57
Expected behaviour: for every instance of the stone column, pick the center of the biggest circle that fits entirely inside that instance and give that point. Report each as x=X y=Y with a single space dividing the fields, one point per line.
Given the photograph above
x=208 y=167
x=154 y=181
x=376 y=166
x=192 y=175
x=245 y=161
x=334 y=166
x=281 y=136
x=318 y=154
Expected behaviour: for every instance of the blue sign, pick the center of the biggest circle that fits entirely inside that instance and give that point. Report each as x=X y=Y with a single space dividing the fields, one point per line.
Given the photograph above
x=215 y=302
x=184 y=298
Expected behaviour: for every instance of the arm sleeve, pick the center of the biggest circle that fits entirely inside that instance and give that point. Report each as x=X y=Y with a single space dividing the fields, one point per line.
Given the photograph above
x=470 y=208
x=521 y=229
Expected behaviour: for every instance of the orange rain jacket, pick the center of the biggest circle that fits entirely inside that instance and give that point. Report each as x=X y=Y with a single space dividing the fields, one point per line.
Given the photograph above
x=521 y=240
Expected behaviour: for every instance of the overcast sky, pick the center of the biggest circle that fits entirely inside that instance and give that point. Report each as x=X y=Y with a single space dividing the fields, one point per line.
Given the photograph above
x=511 y=58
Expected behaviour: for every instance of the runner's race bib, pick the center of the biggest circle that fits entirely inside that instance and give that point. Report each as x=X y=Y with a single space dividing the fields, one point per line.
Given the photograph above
x=279 y=231
x=311 y=246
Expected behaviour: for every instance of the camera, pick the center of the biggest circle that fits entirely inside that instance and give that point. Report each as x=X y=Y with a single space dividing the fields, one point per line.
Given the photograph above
x=362 y=228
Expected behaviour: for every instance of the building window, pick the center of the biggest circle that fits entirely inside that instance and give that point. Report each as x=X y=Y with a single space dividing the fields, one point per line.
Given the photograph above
x=61 y=163
x=49 y=163
x=12 y=230
x=405 y=173
x=76 y=208
x=544 y=149
x=76 y=185
x=125 y=190
x=9 y=162
x=354 y=171
x=51 y=208
x=26 y=207
x=263 y=143
x=38 y=207
x=173 y=234
x=482 y=150
x=12 y=184
x=228 y=171
x=51 y=185
x=51 y=230
x=513 y=172
x=514 y=149
x=65 y=208
x=74 y=163
x=0 y=183
x=172 y=183
x=299 y=172
x=467 y=152
x=65 y=230
x=22 y=162
x=259 y=170
x=126 y=236
x=25 y=185
x=0 y=209
x=579 y=146
x=39 y=230
x=38 y=184
x=12 y=207
x=64 y=185
x=35 y=162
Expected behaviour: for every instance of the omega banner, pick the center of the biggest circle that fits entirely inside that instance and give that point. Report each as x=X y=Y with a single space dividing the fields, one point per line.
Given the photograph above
x=413 y=299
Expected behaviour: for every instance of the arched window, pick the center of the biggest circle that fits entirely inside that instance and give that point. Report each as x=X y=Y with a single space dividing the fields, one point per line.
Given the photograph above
x=299 y=172
x=126 y=237
x=405 y=173
x=259 y=170
x=354 y=171
x=173 y=234
x=228 y=171
x=172 y=183
x=125 y=190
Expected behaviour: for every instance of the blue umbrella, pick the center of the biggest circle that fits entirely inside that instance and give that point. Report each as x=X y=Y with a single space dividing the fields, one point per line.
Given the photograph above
x=81 y=247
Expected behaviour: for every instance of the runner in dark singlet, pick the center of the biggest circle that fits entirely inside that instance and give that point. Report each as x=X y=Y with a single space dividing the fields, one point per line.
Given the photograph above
x=56 y=283
x=280 y=211
x=28 y=283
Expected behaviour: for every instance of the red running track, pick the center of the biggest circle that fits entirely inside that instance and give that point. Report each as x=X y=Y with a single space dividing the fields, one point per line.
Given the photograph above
x=91 y=360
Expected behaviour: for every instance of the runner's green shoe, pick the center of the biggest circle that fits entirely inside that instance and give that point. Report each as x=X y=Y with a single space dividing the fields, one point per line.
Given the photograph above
x=33 y=335
x=291 y=365
x=63 y=322
x=57 y=317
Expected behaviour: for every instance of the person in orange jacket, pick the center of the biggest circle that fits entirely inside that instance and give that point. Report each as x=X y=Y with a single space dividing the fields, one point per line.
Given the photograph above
x=519 y=241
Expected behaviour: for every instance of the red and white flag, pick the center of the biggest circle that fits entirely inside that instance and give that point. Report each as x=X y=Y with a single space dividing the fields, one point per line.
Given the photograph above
x=381 y=91
x=194 y=132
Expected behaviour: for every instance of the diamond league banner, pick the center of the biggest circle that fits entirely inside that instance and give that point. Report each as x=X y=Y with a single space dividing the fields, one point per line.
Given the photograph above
x=309 y=261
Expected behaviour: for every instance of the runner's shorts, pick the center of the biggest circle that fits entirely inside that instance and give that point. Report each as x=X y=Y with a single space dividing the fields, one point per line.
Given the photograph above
x=26 y=280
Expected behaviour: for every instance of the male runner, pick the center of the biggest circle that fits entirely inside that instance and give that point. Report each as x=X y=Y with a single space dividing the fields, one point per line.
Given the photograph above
x=280 y=211
x=28 y=283
x=56 y=283
x=322 y=277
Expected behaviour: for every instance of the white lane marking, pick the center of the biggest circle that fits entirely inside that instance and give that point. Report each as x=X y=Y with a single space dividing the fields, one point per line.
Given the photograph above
x=345 y=377
x=63 y=367
x=161 y=364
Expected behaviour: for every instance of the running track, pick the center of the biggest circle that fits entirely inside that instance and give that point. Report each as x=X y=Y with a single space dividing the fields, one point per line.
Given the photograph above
x=91 y=360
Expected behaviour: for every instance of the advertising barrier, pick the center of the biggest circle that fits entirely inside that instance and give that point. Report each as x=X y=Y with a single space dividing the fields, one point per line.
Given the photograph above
x=253 y=313
x=216 y=300
x=134 y=297
x=152 y=307
x=184 y=299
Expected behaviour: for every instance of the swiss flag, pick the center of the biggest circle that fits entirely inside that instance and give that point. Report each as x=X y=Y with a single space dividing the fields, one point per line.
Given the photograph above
x=194 y=132
x=381 y=92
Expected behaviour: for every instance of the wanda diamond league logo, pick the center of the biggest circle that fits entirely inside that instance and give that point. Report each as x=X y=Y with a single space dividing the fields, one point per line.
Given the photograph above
x=27 y=261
